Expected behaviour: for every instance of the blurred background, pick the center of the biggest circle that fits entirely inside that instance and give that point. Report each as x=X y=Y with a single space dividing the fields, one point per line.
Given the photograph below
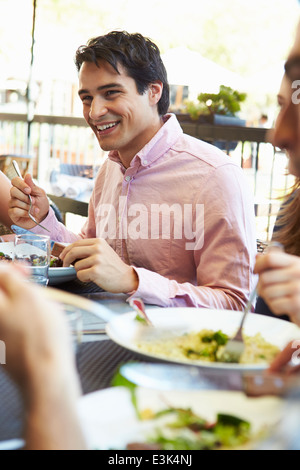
x=244 y=42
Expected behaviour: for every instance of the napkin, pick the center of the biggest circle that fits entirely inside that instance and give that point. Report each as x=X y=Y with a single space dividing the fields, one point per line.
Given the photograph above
x=71 y=186
x=77 y=188
x=59 y=188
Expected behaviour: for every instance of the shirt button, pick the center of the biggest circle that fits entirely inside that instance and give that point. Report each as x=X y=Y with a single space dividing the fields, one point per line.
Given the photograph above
x=145 y=162
x=127 y=178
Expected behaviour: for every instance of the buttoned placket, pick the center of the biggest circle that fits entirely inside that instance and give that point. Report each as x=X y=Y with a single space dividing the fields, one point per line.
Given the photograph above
x=123 y=209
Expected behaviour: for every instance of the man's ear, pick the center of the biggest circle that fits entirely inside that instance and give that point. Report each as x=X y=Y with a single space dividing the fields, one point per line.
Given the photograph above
x=155 y=92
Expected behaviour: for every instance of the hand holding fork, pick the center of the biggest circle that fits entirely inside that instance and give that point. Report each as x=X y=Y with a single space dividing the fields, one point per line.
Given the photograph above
x=235 y=346
x=17 y=170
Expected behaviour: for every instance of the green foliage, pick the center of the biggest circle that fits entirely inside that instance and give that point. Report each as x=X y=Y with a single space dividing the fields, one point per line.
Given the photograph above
x=226 y=102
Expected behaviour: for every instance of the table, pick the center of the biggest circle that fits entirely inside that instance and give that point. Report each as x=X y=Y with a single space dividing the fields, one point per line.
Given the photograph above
x=97 y=363
x=98 y=358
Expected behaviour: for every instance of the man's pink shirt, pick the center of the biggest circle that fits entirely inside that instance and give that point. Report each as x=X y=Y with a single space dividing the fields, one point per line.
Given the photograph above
x=175 y=175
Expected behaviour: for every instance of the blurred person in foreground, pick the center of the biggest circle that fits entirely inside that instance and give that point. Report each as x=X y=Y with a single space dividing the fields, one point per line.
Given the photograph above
x=5 y=187
x=40 y=359
x=279 y=272
x=170 y=219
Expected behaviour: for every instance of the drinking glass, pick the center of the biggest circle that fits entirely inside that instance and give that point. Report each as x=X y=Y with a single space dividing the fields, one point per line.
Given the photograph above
x=34 y=251
x=74 y=319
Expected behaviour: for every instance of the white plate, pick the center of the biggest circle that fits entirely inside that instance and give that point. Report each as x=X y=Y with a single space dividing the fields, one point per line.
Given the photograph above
x=109 y=420
x=126 y=331
x=56 y=275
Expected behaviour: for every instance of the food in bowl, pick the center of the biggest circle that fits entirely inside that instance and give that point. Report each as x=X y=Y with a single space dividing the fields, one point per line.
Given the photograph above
x=4 y=257
x=183 y=429
x=56 y=262
x=208 y=346
x=34 y=260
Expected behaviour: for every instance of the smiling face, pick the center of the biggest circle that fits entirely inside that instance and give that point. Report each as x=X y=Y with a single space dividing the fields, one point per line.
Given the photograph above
x=121 y=118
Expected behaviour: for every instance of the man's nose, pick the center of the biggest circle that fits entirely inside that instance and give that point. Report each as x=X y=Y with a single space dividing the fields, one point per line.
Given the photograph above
x=286 y=134
x=97 y=109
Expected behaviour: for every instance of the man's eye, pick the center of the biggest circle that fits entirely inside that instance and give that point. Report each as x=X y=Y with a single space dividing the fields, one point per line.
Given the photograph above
x=86 y=99
x=111 y=93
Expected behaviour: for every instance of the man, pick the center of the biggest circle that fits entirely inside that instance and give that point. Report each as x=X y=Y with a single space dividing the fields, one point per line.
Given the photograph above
x=170 y=218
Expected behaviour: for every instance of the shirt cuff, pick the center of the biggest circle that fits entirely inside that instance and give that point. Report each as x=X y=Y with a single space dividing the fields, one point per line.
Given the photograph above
x=47 y=222
x=152 y=289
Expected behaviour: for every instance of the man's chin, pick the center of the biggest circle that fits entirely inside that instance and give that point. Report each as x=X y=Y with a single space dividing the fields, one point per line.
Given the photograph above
x=105 y=146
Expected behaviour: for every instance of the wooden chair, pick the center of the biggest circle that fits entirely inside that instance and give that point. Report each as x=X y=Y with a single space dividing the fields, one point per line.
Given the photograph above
x=23 y=161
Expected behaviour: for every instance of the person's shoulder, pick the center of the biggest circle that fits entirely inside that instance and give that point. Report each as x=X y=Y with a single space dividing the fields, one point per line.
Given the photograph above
x=202 y=151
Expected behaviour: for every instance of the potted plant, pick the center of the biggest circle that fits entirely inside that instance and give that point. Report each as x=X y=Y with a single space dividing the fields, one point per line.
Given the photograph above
x=227 y=102
x=218 y=108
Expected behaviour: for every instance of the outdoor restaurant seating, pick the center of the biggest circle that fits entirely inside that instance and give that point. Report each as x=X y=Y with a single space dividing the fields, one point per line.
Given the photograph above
x=24 y=162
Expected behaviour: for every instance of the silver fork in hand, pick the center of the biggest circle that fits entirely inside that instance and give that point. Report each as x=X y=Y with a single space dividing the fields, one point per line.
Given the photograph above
x=17 y=170
x=235 y=346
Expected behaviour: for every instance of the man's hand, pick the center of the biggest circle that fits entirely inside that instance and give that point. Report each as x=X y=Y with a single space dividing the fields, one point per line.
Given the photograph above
x=279 y=283
x=19 y=202
x=96 y=261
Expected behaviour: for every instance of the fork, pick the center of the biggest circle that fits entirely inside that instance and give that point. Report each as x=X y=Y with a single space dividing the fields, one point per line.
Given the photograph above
x=235 y=346
x=17 y=170
x=139 y=307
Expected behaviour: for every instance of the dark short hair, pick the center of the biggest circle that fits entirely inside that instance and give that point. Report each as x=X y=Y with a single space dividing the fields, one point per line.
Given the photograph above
x=139 y=56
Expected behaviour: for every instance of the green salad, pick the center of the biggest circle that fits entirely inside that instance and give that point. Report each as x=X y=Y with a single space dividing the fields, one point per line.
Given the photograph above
x=182 y=429
x=185 y=430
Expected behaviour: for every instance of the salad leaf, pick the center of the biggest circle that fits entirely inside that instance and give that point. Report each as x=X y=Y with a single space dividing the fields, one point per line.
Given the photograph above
x=119 y=380
x=140 y=319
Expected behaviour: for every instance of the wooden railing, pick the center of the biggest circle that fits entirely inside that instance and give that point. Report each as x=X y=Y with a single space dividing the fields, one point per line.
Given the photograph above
x=71 y=140
x=48 y=139
x=225 y=133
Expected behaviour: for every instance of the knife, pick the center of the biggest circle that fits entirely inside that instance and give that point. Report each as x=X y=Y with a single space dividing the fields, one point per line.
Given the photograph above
x=177 y=377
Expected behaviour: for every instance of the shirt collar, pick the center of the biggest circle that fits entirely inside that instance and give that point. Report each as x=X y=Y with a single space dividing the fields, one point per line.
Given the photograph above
x=160 y=143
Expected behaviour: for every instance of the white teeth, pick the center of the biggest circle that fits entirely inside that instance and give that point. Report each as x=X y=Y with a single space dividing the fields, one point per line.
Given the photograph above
x=106 y=126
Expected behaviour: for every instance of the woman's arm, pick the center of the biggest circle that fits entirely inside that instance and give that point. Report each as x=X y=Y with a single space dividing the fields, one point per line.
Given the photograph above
x=39 y=357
